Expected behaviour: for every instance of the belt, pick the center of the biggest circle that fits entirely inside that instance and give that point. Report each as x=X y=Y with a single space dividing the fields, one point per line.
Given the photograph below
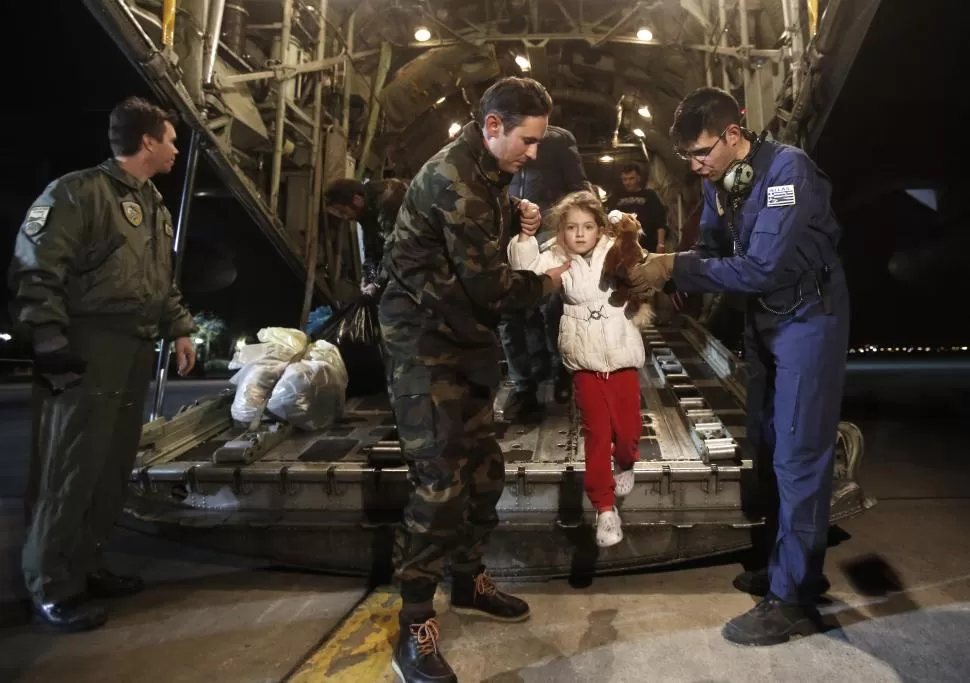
x=585 y=312
x=815 y=281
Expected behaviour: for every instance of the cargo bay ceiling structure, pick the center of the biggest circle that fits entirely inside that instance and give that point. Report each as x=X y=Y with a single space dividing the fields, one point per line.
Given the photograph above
x=285 y=95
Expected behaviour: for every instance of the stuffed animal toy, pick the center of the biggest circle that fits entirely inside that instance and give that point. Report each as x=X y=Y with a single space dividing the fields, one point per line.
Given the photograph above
x=622 y=256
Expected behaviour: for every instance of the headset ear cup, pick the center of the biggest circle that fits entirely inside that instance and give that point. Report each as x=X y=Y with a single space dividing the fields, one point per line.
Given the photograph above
x=738 y=178
x=745 y=177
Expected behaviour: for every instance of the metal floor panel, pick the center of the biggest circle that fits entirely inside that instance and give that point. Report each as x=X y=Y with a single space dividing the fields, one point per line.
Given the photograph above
x=682 y=403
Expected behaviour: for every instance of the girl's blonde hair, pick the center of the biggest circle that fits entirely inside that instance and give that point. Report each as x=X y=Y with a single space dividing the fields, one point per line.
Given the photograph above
x=584 y=201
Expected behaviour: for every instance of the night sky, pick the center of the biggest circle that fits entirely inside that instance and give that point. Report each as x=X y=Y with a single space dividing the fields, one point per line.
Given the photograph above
x=59 y=106
x=61 y=126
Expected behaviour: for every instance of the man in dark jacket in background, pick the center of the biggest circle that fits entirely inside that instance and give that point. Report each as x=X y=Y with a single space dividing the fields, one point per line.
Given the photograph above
x=374 y=205
x=530 y=338
x=637 y=198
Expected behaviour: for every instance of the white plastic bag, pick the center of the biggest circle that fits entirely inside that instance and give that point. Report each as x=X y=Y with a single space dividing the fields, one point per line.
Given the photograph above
x=260 y=367
x=311 y=393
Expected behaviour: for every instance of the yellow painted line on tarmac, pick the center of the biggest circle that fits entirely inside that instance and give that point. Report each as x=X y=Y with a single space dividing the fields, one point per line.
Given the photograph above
x=359 y=651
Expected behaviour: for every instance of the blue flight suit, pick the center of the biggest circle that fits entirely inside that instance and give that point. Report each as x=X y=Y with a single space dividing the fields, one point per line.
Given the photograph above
x=786 y=254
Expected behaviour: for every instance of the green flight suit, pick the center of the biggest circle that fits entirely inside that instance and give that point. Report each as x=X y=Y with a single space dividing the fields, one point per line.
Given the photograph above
x=92 y=264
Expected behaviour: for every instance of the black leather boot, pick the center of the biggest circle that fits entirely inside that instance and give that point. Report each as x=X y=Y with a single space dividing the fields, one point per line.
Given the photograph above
x=104 y=584
x=73 y=614
x=758 y=582
x=416 y=656
x=772 y=622
x=562 y=389
x=477 y=594
x=522 y=406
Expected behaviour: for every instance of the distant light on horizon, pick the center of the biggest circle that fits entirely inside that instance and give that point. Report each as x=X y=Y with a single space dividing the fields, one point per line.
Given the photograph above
x=872 y=348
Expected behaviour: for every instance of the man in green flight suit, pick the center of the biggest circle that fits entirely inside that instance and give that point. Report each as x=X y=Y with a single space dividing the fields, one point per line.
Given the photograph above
x=449 y=284
x=92 y=283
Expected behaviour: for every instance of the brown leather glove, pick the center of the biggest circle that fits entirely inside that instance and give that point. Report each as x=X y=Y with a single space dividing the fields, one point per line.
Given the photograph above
x=650 y=275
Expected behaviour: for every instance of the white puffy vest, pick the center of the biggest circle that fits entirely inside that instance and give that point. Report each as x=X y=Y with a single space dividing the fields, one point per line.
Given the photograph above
x=593 y=335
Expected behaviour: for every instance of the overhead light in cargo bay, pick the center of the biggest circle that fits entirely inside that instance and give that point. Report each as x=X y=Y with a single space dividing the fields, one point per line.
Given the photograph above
x=454 y=129
x=644 y=34
x=440 y=100
x=639 y=132
x=606 y=158
x=523 y=62
x=422 y=34
x=644 y=111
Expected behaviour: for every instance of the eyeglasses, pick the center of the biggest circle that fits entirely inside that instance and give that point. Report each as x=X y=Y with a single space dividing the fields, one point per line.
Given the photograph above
x=702 y=153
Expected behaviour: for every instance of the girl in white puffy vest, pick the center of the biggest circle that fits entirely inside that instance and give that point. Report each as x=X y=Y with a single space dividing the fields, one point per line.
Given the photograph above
x=600 y=346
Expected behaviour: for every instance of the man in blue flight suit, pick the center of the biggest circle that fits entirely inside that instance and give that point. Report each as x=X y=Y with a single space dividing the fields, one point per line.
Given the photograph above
x=772 y=204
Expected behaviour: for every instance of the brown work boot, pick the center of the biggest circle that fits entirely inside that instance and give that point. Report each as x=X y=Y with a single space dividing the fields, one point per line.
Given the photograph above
x=477 y=594
x=416 y=657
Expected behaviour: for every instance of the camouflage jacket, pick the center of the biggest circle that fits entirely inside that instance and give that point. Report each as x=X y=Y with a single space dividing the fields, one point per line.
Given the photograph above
x=383 y=200
x=450 y=281
x=97 y=244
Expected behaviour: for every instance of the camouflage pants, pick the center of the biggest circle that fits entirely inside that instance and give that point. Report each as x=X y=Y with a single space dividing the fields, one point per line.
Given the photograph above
x=445 y=425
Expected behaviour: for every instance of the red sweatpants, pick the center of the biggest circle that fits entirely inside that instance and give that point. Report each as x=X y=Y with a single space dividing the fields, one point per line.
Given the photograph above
x=610 y=410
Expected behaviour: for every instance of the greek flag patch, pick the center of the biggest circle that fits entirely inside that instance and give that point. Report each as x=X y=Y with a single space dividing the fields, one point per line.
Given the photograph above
x=781 y=195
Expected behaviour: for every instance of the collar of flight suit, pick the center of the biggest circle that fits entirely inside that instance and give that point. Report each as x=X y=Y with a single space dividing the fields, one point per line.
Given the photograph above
x=474 y=137
x=113 y=169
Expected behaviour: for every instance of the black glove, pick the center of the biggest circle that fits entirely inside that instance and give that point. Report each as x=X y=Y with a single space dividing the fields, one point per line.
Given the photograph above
x=59 y=369
x=59 y=362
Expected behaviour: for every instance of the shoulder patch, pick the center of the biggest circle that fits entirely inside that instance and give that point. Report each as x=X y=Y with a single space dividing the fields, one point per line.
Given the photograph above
x=133 y=212
x=36 y=219
x=781 y=195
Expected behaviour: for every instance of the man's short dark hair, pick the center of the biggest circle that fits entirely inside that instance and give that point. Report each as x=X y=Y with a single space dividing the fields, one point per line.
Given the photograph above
x=514 y=99
x=633 y=168
x=133 y=118
x=341 y=192
x=709 y=110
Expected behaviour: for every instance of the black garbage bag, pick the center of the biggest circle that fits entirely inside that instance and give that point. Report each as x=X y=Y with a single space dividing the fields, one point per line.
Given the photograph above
x=356 y=332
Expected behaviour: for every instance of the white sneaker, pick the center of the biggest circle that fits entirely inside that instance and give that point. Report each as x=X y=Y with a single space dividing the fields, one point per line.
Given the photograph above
x=608 y=530
x=624 y=482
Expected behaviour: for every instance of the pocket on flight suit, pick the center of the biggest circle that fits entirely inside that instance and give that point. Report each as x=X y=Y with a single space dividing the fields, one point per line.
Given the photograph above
x=414 y=410
x=422 y=427
x=796 y=403
x=93 y=263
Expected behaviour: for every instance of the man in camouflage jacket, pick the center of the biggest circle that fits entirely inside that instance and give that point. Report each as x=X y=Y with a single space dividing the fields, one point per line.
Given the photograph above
x=92 y=285
x=449 y=284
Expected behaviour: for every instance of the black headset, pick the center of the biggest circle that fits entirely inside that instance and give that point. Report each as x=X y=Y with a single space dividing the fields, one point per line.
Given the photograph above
x=738 y=179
